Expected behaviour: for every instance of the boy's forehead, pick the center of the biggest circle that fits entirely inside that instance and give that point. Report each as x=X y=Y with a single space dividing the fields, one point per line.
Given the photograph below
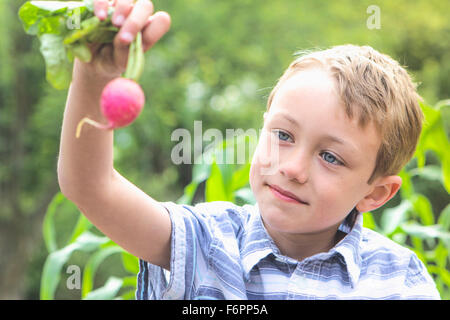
x=307 y=88
x=311 y=78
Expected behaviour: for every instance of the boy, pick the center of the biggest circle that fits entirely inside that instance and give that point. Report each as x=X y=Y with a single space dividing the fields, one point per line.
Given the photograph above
x=339 y=126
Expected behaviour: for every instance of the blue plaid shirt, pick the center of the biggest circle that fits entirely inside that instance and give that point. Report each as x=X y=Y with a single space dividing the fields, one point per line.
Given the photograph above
x=222 y=251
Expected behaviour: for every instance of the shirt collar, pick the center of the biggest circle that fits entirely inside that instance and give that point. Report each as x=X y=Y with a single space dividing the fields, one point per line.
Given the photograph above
x=257 y=244
x=350 y=247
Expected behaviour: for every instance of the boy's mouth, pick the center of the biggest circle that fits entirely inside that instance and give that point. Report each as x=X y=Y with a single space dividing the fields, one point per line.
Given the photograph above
x=285 y=195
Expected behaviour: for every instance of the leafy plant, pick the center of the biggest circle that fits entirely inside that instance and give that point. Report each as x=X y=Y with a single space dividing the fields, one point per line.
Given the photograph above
x=65 y=29
x=82 y=239
x=412 y=223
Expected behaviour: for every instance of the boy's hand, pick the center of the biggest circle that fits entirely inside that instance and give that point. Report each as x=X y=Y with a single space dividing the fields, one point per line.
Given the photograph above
x=110 y=60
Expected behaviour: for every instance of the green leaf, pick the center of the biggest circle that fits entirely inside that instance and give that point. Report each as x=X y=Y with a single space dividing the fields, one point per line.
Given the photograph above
x=407 y=189
x=91 y=267
x=37 y=19
x=58 y=66
x=52 y=6
x=444 y=274
x=130 y=262
x=444 y=218
x=391 y=218
x=426 y=232
x=130 y=281
x=51 y=272
x=107 y=292
x=434 y=138
x=443 y=103
x=83 y=224
x=89 y=4
x=215 y=188
x=48 y=227
x=188 y=195
x=40 y=17
x=446 y=172
x=369 y=221
x=61 y=39
x=129 y=295
x=87 y=27
x=201 y=171
x=225 y=162
x=246 y=194
x=440 y=255
x=240 y=177
x=430 y=172
x=81 y=51
x=422 y=206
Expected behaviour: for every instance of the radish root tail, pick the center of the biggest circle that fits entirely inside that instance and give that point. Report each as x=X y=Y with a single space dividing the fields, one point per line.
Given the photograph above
x=91 y=122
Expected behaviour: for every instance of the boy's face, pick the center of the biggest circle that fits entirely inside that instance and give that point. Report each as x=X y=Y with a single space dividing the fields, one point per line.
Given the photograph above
x=317 y=154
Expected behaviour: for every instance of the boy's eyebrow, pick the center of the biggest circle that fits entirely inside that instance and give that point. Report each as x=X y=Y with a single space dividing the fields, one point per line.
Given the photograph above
x=325 y=137
x=289 y=118
x=340 y=141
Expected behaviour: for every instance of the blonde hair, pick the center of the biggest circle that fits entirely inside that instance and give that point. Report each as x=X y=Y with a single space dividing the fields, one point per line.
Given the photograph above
x=375 y=88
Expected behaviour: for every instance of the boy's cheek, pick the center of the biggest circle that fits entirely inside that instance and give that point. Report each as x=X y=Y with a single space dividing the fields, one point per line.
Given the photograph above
x=266 y=157
x=252 y=174
x=256 y=179
x=343 y=200
x=255 y=171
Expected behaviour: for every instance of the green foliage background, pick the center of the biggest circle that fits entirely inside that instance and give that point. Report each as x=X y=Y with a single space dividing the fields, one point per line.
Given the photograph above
x=217 y=64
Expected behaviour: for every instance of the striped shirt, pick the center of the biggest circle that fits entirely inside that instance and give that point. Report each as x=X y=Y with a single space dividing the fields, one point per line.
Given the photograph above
x=222 y=251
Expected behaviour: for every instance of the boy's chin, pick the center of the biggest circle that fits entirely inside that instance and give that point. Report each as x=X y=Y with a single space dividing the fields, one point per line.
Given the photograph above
x=278 y=220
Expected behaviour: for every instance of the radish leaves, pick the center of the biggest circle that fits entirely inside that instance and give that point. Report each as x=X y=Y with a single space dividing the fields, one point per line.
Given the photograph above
x=64 y=29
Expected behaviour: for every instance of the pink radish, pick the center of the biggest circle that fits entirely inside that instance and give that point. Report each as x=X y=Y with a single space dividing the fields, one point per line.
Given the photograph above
x=122 y=98
x=121 y=102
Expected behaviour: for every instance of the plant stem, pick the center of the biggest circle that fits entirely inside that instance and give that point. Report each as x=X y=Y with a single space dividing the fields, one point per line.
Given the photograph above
x=135 y=65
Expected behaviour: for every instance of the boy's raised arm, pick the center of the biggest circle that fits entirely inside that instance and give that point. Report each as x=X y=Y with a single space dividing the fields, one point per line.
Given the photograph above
x=86 y=173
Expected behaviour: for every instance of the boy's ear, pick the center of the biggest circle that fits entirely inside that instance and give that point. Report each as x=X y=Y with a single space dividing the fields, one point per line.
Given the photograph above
x=383 y=190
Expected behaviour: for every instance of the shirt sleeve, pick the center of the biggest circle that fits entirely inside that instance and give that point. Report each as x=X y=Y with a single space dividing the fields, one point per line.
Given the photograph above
x=419 y=285
x=191 y=237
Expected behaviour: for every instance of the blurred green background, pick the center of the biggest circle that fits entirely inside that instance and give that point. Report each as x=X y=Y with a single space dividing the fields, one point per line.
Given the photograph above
x=217 y=64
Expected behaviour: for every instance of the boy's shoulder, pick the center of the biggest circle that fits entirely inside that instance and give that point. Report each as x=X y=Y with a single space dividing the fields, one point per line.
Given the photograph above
x=390 y=257
x=373 y=242
x=382 y=257
x=224 y=210
x=219 y=208
x=217 y=215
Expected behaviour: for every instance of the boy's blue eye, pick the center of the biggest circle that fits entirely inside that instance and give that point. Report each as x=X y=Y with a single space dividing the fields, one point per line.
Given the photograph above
x=328 y=157
x=282 y=135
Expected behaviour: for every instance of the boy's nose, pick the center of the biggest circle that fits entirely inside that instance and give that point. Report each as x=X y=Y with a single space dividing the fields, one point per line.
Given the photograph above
x=295 y=167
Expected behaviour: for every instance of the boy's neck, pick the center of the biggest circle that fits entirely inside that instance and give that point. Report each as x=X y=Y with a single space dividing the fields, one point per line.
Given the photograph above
x=301 y=246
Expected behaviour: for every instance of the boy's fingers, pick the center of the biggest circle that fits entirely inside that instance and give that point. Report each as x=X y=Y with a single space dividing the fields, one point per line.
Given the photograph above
x=101 y=9
x=121 y=11
x=135 y=21
x=157 y=26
